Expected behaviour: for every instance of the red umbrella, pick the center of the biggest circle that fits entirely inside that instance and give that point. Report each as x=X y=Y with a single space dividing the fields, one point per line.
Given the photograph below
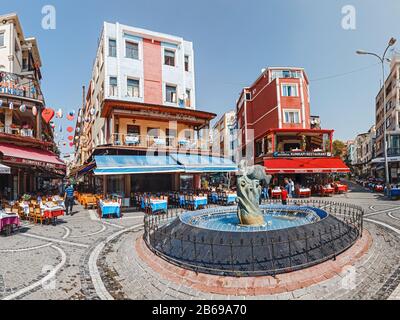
x=70 y=129
x=70 y=138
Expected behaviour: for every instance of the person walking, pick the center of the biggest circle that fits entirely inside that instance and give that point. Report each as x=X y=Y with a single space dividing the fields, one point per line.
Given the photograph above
x=291 y=188
x=69 y=199
x=284 y=196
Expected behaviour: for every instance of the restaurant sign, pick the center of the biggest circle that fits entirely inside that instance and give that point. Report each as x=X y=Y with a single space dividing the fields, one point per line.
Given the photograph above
x=304 y=154
x=31 y=162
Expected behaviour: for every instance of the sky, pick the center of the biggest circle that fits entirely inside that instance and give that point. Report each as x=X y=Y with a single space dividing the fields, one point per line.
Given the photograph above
x=233 y=40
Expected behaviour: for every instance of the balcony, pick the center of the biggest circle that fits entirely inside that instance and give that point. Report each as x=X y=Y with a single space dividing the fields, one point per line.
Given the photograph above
x=17 y=131
x=393 y=152
x=18 y=85
x=166 y=142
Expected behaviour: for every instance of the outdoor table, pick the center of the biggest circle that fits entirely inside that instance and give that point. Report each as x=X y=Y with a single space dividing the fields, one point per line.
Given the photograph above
x=200 y=201
x=327 y=191
x=51 y=213
x=158 y=205
x=231 y=198
x=131 y=140
x=340 y=188
x=276 y=193
x=7 y=221
x=394 y=193
x=304 y=192
x=110 y=208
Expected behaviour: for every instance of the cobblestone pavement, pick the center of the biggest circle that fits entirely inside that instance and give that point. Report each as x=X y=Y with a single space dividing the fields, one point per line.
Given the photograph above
x=84 y=257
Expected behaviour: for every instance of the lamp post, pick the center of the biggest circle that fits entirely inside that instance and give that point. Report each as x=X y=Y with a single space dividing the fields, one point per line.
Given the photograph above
x=391 y=42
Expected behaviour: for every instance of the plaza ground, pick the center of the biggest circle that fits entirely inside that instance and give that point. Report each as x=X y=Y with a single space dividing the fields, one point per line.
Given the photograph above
x=84 y=257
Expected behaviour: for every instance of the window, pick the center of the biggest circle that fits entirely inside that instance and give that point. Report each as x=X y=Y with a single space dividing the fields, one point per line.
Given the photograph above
x=133 y=130
x=132 y=50
x=187 y=102
x=169 y=58
x=112 y=48
x=187 y=63
x=133 y=88
x=153 y=132
x=1 y=39
x=170 y=94
x=289 y=90
x=113 y=86
x=292 y=117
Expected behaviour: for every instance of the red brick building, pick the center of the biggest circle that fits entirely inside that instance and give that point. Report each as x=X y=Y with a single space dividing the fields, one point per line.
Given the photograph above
x=276 y=126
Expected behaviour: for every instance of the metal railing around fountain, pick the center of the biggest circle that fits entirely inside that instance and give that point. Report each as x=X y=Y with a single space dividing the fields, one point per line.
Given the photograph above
x=287 y=251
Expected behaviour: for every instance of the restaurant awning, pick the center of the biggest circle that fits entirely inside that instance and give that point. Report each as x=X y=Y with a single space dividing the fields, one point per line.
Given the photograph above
x=4 y=169
x=305 y=165
x=200 y=163
x=30 y=156
x=116 y=165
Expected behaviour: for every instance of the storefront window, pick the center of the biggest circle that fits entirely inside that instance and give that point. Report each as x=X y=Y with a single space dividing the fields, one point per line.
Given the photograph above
x=115 y=185
x=186 y=182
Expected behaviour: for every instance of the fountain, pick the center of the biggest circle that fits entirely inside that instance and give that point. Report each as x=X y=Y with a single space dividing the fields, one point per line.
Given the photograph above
x=251 y=240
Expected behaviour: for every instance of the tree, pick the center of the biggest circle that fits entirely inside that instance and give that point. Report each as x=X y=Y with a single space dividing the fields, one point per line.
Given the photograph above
x=339 y=149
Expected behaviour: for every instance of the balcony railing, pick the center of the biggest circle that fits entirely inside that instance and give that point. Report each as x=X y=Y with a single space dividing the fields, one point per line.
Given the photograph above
x=392 y=152
x=168 y=142
x=19 y=85
x=22 y=132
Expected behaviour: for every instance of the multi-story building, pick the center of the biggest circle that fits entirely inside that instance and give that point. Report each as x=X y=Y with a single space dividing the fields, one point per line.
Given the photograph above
x=26 y=139
x=224 y=135
x=363 y=153
x=141 y=101
x=276 y=128
x=392 y=124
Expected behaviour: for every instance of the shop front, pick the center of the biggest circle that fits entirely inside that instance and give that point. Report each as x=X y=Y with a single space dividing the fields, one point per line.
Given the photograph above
x=31 y=170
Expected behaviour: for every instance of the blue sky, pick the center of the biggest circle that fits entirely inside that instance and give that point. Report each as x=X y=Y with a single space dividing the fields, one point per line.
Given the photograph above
x=233 y=41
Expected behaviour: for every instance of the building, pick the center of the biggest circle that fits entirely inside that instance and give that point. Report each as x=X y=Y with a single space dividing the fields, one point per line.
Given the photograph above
x=140 y=111
x=363 y=150
x=277 y=130
x=350 y=153
x=26 y=139
x=224 y=135
x=392 y=124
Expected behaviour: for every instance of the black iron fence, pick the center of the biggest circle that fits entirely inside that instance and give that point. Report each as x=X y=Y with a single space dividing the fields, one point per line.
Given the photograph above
x=255 y=253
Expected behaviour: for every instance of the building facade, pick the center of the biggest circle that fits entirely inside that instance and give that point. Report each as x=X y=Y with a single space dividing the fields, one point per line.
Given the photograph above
x=224 y=140
x=392 y=124
x=277 y=129
x=26 y=139
x=363 y=152
x=141 y=101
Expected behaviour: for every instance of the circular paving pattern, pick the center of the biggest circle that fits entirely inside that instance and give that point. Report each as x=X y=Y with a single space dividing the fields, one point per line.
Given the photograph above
x=87 y=258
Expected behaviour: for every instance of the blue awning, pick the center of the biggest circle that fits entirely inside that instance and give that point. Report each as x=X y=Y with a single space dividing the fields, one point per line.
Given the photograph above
x=116 y=165
x=200 y=163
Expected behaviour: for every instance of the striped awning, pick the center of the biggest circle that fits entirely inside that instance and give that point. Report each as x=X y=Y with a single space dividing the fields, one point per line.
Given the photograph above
x=205 y=164
x=134 y=164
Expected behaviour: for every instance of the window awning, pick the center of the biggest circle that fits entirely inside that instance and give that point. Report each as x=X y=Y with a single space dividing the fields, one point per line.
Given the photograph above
x=305 y=165
x=4 y=169
x=30 y=156
x=201 y=163
x=116 y=165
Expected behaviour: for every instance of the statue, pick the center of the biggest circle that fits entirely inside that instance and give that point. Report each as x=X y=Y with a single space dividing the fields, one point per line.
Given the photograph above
x=249 y=193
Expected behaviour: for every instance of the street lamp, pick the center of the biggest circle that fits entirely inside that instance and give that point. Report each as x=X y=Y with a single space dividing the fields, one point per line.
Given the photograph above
x=382 y=59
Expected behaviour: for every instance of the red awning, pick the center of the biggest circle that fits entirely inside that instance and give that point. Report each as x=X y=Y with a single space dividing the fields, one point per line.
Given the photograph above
x=305 y=165
x=30 y=156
